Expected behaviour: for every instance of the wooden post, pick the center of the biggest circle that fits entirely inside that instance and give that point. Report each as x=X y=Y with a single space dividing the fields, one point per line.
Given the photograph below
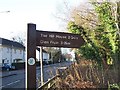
x=41 y=64
x=31 y=58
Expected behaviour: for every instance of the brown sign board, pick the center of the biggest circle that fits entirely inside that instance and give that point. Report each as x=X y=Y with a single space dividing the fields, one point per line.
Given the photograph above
x=58 y=39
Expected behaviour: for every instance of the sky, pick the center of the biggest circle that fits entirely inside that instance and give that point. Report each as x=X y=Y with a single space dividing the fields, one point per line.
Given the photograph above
x=39 y=12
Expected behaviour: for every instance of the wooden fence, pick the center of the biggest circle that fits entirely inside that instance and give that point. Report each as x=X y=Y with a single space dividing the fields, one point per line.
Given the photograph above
x=61 y=72
x=50 y=84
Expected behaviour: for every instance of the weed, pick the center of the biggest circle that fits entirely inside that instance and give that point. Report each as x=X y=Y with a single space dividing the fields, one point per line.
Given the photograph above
x=87 y=74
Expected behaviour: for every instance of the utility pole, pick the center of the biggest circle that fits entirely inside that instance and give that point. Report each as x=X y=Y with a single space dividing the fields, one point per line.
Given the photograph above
x=5 y=12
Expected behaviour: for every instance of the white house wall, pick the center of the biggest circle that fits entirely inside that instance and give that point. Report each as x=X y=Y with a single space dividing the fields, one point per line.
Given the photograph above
x=0 y=56
x=45 y=55
x=6 y=55
x=17 y=54
x=11 y=53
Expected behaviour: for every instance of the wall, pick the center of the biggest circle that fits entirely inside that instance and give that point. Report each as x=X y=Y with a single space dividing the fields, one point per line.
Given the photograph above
x=17 y=53
x=45 y=55
x=11 y=53
x=0 y=56
x=6 y=54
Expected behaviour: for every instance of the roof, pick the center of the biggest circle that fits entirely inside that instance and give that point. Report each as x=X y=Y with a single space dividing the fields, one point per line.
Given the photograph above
x=11 y=43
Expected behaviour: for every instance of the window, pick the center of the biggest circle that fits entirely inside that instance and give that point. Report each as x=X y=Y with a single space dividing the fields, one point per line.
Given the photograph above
x=3 y=61
x=0 y=49
x=20 y=51
x=15 y=51
x=8 y=50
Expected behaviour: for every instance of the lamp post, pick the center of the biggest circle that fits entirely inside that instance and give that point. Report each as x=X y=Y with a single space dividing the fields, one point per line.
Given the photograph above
x=5 y=12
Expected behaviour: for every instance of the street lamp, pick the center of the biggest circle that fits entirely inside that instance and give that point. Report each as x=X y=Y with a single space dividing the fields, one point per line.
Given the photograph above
x=4 y=11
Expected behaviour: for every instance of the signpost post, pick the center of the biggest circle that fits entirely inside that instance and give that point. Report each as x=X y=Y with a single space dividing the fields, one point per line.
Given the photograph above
x=41 y=64
x=47 y=39
x=31 y=56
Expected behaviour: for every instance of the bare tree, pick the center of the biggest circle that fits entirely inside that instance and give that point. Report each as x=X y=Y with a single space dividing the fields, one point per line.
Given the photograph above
x=20 y=37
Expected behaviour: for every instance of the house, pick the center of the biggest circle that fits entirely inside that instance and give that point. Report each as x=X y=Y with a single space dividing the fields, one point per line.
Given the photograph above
x=11 y=52
x=46 y=56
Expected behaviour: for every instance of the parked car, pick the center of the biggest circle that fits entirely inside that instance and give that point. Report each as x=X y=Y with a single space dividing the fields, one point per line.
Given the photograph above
x=7 y=67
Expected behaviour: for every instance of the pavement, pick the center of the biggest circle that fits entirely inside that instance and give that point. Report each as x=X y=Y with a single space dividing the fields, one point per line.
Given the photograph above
x=4 y=74
x=7 y=73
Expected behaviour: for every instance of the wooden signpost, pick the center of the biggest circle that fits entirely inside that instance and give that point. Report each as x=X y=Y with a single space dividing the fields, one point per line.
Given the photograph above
x=48 y=39
x=31 y=54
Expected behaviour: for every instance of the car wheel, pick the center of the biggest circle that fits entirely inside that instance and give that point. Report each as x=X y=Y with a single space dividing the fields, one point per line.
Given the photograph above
x=8 y=69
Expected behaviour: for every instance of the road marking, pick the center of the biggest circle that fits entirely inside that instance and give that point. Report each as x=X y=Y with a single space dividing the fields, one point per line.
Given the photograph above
x=10 y=84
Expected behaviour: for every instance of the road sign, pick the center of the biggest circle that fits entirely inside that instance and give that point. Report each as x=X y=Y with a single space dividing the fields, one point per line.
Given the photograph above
x=58 y=39
x=46 y=39
x=31 y=61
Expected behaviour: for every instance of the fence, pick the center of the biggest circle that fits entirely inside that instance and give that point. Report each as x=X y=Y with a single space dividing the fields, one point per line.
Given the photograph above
x=61 y=72
x=49 y=84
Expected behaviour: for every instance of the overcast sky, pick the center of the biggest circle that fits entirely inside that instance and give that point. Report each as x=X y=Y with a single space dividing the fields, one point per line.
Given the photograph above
x=22 y=12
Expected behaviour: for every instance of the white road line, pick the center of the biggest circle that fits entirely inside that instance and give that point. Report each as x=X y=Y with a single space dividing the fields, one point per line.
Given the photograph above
x=10 y=84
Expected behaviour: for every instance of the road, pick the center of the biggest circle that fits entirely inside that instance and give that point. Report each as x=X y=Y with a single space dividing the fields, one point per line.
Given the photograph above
x=17 y=80
x=14 y=81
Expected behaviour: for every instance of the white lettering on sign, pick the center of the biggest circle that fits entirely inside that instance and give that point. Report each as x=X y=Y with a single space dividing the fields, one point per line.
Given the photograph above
x=54 y=42
x=44 y=42
x=49 y=42
x=62 y=43
x=73 y=37
x=66 y=43
x=51 y=36
x=58 y=39
x=61 y=37
x=44 y=35
x=69 y=37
